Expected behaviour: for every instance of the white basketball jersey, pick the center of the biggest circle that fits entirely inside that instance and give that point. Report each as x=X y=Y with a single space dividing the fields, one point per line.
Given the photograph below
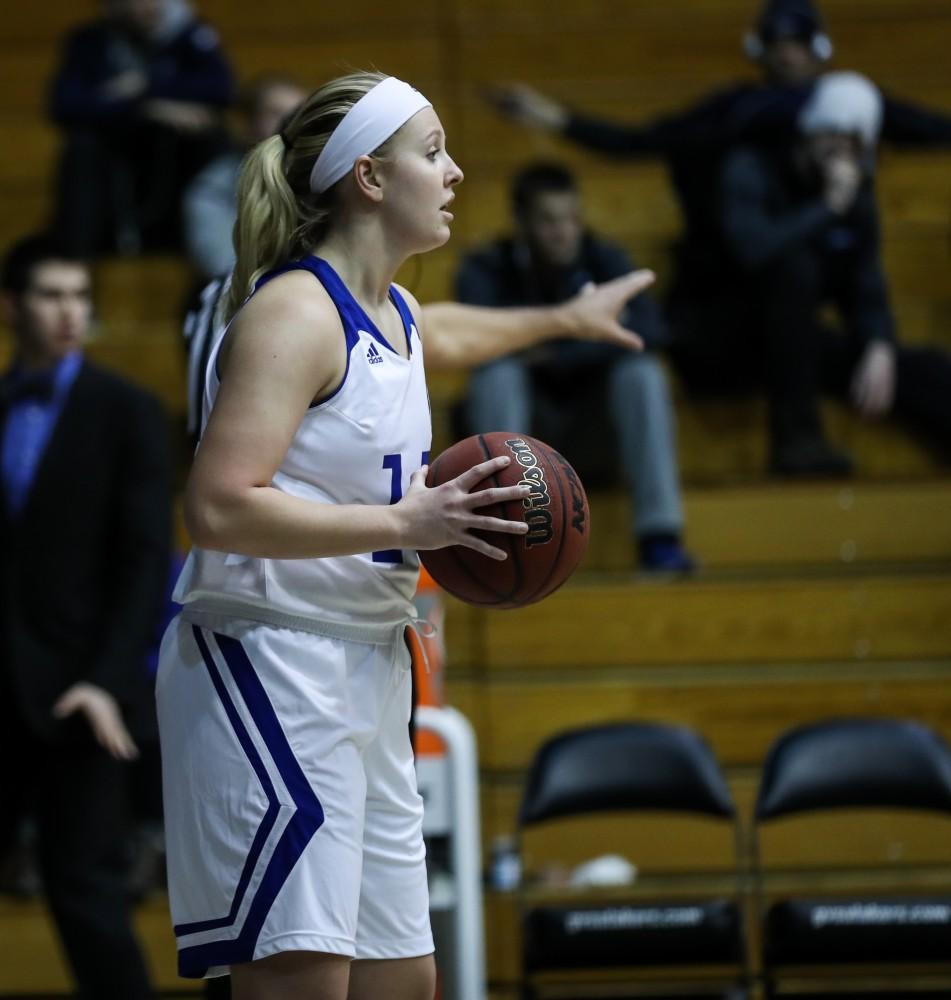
x=360 y=445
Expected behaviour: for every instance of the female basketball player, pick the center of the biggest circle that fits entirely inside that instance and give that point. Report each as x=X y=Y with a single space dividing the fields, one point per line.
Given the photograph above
x=293 y=822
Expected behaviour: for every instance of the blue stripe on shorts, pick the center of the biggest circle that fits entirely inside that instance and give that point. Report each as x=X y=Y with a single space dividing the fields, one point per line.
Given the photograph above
x=194 y=961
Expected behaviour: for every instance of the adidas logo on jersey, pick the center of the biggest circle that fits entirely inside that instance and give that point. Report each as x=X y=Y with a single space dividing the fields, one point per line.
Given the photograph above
x=374 y=356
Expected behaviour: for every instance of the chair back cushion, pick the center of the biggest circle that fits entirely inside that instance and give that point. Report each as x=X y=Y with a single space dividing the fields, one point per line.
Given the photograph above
x=628 y=766
x=885 y=763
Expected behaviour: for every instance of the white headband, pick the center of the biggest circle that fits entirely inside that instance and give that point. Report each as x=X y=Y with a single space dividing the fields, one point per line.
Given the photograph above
x=365 y=127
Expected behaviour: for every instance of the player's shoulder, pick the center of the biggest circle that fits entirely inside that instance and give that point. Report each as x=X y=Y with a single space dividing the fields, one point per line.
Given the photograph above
x=294 y=304
x=290 y=323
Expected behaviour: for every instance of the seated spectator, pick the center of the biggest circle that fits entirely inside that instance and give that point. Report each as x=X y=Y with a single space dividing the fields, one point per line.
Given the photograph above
x=85 y=523
x=800 y=226
x=549 y=259
x=138 y=93
x=210 y=206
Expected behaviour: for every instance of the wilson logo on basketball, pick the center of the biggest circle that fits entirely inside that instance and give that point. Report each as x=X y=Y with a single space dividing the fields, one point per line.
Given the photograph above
x=538 y=517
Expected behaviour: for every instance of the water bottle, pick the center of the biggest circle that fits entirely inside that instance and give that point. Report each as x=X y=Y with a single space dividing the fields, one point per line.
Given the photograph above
x=505 y=869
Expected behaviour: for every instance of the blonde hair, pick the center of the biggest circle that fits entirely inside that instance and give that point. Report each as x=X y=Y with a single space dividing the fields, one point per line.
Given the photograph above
x=279 y=217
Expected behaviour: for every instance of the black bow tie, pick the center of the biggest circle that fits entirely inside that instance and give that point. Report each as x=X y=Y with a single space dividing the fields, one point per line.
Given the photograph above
x=38 y=386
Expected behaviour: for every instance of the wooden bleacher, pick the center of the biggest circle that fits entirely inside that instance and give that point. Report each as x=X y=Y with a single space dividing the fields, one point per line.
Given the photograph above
x=815 y=599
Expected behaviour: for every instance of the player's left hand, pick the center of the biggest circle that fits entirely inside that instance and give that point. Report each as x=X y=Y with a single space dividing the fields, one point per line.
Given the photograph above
x=873 y=383
x=103 y=715
x=593 y=313
x=447 y=514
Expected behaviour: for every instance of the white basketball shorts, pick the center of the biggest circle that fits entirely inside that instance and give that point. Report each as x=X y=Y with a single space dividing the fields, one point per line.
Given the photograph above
x=292 y=817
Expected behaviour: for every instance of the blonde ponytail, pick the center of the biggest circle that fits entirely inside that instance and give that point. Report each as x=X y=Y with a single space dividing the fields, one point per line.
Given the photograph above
x=279 y=218
x=267 y=217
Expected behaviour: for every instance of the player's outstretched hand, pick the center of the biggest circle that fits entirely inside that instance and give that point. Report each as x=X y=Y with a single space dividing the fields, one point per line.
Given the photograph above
x=103 y=715
x=433 y=518
x=593 y=313
x=527 y=106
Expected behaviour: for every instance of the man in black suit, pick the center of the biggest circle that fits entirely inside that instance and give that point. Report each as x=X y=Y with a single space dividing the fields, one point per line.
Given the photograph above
x=84 y=556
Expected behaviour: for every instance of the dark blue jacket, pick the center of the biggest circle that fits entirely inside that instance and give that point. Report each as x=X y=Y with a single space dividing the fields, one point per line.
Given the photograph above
x=188 y=66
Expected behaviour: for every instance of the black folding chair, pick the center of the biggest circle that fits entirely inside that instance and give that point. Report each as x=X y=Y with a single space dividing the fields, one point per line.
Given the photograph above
x=673 y=932
x=869 y=932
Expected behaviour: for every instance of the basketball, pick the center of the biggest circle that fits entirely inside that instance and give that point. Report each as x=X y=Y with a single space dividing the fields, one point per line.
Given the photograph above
x=556 y=512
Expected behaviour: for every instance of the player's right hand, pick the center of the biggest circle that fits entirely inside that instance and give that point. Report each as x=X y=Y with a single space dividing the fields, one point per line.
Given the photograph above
x=434 y=517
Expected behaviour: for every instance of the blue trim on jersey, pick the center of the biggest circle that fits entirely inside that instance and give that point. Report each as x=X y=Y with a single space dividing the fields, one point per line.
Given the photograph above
x=352 y=316
x=349 y=330
x=351 y=312
x=405 y=315
x=194 y=961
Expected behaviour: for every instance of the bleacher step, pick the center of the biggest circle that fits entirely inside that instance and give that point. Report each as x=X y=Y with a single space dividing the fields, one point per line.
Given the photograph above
x=696 y=622
x=785 y=525
x=739 y=711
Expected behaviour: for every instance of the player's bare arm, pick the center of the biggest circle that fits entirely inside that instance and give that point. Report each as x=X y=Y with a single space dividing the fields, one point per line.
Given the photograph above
x=464 y=336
